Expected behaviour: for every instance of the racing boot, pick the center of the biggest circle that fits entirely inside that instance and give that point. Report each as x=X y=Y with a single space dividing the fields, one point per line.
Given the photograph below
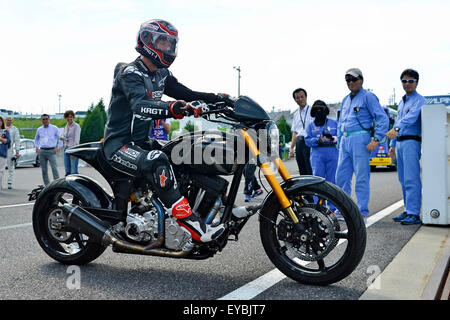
x=181 y=210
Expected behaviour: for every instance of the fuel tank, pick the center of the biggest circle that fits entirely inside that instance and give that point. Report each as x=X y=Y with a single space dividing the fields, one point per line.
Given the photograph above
x=208 y=152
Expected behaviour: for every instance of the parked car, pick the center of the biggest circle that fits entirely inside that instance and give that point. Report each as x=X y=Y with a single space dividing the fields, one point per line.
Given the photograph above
x=28 y=155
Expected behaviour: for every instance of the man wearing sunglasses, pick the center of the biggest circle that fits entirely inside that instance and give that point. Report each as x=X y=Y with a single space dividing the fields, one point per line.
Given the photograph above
x=406 y=146
x=360 y=109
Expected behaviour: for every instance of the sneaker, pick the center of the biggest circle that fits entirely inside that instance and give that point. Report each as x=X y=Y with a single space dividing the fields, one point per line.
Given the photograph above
x=248 y=197
x=411 y=219
x=199 y=230
x=400 y=217
x=257 y=193
x=9 y=186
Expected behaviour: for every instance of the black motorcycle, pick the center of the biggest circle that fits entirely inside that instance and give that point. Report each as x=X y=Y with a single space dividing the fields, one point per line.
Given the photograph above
x=75 y=219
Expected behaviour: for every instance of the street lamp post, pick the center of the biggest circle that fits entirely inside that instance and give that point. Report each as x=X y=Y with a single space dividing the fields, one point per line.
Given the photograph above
x=59 y=102
x=239 y=79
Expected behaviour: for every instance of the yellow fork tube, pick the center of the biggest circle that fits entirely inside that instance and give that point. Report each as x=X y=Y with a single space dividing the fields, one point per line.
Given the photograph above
x=270 y=176
x=282 y=169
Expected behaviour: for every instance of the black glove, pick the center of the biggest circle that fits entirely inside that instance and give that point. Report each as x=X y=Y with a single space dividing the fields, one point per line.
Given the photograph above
x=223 y=97
x=196 y=108
x=177 y=108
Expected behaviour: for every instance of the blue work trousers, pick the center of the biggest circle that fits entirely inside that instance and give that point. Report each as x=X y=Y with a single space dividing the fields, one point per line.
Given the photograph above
x=324 y=162
x=408 y=168
x=354 y=158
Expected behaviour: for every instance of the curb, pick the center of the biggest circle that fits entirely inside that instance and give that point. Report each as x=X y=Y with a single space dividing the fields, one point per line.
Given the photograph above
x=418 y=272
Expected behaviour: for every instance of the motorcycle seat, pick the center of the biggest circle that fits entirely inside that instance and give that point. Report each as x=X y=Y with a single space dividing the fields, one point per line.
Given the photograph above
x=92 y=153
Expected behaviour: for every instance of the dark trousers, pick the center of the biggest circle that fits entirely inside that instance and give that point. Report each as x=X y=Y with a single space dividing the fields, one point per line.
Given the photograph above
x=302 y=155
x=154 y=165
x=251 y=183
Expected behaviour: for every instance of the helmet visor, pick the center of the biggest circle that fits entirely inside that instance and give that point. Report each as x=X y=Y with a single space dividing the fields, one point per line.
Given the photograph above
x=164 y=43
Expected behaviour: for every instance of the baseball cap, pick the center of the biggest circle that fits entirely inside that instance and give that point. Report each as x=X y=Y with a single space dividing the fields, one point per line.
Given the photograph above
x=355 y=72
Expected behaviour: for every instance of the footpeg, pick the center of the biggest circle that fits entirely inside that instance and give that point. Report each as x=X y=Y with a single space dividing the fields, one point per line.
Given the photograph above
x=244 y=212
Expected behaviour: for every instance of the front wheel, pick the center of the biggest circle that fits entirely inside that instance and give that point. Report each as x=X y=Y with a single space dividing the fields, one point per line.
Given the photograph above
x=327 y=250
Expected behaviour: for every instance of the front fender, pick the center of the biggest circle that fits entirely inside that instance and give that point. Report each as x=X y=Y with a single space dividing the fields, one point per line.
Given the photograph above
x=291 y=186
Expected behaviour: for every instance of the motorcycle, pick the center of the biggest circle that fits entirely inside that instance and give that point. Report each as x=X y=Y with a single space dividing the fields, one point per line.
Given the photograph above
x=75 y=219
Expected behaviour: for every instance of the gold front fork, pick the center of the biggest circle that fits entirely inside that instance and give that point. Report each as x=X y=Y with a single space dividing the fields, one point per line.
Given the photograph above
x=270 y=176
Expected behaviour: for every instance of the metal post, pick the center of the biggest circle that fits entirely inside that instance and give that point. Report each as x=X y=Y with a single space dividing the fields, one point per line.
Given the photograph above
x=59 y=100
x=239 y=79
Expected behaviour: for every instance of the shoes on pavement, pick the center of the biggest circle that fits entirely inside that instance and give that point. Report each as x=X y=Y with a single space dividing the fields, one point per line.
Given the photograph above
x=248 y=197
x=257 y=193
x=9 y=186
x=411 y=219
x=400 y=217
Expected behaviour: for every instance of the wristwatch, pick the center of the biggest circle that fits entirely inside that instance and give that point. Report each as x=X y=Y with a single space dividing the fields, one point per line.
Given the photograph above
x=397 y=129
x=376 y=139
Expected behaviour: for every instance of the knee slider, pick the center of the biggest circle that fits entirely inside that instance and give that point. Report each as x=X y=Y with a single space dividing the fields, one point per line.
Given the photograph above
x=157 y=166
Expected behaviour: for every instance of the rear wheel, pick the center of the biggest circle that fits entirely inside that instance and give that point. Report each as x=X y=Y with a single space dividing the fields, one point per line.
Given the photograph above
x=328 y=250
x=52 y=233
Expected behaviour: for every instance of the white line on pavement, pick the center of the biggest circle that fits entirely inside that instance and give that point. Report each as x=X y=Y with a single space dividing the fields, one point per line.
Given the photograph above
x=16 y=226
x=261 y=284
x=16 y=205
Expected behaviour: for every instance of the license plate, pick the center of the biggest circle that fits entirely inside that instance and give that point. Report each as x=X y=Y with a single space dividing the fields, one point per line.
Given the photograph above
x=380 y=161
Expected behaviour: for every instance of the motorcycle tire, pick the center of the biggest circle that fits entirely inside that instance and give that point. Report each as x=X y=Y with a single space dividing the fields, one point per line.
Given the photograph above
x=297 y=268
x=63 y=245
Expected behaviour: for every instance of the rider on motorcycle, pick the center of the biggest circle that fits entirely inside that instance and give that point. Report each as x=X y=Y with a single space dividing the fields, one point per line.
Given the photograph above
x=135 y=101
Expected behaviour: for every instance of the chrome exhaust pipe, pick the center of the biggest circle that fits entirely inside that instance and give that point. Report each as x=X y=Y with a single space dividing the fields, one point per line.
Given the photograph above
x=85 y=222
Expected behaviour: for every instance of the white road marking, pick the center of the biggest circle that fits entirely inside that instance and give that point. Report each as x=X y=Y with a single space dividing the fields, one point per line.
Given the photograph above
x=16 y=205
x=16 y=226
x=261 y=284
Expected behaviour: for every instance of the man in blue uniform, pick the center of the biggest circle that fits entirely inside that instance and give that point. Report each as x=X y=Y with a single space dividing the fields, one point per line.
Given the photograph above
x=406 y=142
x=160 y=129
x=321 y=137
x=360 y=109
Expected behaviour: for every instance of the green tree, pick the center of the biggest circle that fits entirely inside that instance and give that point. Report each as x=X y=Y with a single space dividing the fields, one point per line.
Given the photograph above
x=174 y=126
x=94 y=123
x=284 y=128
x=189 y=127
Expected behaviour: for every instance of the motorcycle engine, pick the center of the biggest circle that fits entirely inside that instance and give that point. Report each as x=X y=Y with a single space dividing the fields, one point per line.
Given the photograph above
x=206 y=193
x=142 y=228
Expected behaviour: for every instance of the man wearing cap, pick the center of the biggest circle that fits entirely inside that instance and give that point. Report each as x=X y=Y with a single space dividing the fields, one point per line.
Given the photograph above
x=359 y=110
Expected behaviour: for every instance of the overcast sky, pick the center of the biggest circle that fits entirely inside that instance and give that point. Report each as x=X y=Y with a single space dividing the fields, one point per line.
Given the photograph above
x=70 y=47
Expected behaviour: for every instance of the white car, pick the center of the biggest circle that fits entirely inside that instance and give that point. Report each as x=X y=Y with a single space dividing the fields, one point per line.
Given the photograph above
x=28 y=155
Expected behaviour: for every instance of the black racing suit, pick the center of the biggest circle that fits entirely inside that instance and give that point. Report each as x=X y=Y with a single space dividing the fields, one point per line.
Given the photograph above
x=135 y=101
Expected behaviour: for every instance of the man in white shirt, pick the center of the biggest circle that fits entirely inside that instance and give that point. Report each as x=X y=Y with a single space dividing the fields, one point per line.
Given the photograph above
x=301 y=119
x=13 y=151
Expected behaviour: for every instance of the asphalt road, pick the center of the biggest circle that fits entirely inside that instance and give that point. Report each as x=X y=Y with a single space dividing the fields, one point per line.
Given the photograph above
x=26 y=272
